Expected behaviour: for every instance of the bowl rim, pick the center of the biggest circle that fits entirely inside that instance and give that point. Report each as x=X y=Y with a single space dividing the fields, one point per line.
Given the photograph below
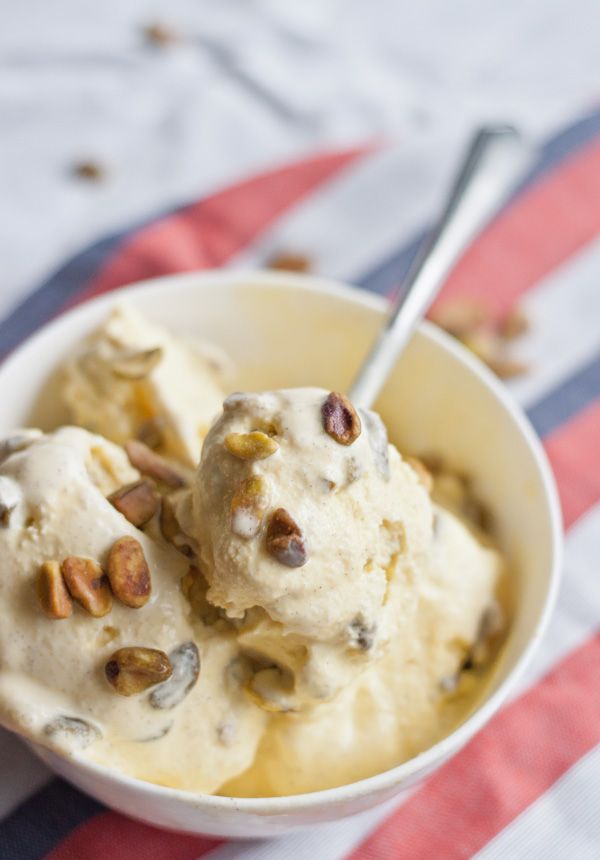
x=441 y=750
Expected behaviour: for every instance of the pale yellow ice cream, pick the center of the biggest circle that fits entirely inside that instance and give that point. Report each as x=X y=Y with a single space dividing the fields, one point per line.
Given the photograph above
x=133 y=379
x=357 y=648
x=365 y=520
x=324 y=619
x=52 y=683
x=403 y=702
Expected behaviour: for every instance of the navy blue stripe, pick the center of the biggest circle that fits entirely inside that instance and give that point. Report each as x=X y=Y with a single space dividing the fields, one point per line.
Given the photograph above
x=65 y=284
x=569 y=398
x=39 y=824
x=390 y=273
x=564 y=144
x=53 y=294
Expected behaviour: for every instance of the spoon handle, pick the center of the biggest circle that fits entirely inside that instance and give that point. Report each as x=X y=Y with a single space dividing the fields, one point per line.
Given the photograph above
x=493 y=161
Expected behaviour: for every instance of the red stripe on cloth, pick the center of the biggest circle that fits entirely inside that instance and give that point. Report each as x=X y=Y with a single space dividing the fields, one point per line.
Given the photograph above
x=206 y=234
x=542 y=228
x=109 y=836
x=574 y=452
x=521 y=753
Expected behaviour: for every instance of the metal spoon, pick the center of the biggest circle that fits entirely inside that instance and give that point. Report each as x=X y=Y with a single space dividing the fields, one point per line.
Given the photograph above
x=495 y=159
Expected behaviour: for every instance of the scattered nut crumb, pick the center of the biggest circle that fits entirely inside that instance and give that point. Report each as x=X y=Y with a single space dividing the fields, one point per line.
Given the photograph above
x=149 y=463
x=483 y=343
x=159 y=35
x=340 y=419
x=151 y=432
x=87 y=585
x=514 y=324
x=489 y=348
x=248 y=506
x=52 y=592
x=133 y=670
x=107 y=634
x=128 y=572
x=506 y=368
x=285 y=540
x=290 y=262
x=459 y=316
x=138 y=502
x=91 y=171
x=250 y=446
x=471 y=324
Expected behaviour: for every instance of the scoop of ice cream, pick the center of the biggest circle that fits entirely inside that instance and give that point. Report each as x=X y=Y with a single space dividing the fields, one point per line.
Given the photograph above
x=58 y=681
x=407 y=700
x=133 y=379
x=307 y=519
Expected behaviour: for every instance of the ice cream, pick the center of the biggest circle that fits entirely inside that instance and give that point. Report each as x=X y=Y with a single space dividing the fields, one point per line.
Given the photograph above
x=319 y=606
x=357 y=641
x=133 y=379
x=53 y=678
x=300 y=612
x=413 y=695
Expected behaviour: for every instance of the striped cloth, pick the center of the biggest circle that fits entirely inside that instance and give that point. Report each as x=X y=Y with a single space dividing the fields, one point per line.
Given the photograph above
x=526 y=786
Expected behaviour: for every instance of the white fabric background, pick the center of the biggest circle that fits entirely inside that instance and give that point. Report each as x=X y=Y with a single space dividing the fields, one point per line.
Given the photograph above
x=251 y=83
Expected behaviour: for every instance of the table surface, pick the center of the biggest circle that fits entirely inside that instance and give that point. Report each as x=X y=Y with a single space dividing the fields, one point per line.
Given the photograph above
x=329 y=129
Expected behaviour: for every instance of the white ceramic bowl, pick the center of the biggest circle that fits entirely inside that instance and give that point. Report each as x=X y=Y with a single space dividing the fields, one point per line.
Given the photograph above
x=288 y=330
